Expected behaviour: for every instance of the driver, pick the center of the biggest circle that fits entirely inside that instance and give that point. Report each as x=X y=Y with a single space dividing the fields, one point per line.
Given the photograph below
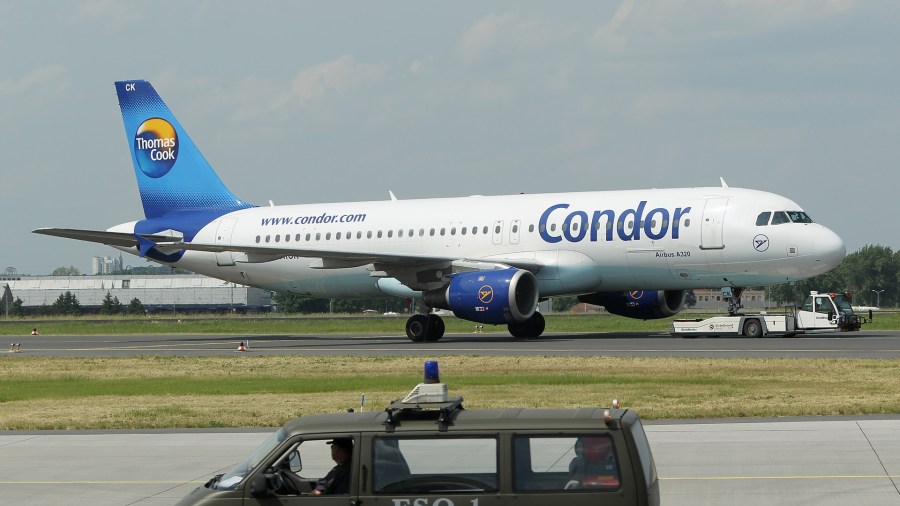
x=337 y=481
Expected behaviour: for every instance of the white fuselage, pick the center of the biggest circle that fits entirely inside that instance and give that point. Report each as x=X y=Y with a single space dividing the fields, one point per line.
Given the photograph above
x=658 y=239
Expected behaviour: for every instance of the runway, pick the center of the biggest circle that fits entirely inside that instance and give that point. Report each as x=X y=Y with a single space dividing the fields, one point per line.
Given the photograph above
x=865 y=344
x=833 y=462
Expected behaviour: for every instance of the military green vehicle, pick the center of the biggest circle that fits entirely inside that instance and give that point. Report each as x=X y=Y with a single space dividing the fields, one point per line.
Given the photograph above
x=427 y=450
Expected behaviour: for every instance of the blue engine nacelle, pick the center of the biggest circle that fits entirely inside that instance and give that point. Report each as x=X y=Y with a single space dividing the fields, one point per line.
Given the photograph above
x=497 y=297
x=646 y=305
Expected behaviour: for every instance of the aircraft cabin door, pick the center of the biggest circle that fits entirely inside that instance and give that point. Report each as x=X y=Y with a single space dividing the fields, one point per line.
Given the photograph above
x=223 y=236
x=711 y=235
x=498 y=232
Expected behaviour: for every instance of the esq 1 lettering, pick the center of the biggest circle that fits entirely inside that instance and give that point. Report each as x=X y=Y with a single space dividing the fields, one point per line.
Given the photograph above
x=424 y=501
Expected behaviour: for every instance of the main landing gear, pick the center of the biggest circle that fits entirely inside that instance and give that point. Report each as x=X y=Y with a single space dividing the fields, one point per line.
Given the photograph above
x=430 y=328
x=420 y=328
x=532 y=327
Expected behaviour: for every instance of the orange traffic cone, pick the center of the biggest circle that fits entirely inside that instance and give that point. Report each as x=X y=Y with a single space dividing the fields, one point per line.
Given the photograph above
x=241 y=347
x=34 y=331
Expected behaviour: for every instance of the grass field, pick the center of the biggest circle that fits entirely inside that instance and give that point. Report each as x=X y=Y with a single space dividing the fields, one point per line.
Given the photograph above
x=258 y=391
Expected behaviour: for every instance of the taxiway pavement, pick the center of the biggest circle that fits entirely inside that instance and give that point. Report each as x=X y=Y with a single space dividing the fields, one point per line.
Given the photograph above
x=865 y=344
x=801 y=461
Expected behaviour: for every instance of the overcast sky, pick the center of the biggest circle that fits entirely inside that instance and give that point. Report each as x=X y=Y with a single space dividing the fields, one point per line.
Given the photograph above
x=330 y=101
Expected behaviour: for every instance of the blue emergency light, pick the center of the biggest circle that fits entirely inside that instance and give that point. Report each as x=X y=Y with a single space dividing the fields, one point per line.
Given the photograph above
x=431 y=372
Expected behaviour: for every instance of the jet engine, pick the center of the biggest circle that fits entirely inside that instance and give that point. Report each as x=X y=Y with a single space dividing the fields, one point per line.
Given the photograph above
x=497 y=297
x=646 y=305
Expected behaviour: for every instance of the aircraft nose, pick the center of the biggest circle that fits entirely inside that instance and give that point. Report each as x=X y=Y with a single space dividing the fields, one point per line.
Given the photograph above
x=829 y=248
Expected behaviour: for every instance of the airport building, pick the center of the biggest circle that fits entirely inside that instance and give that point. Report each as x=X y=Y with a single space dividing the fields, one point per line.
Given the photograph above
x=176 y=292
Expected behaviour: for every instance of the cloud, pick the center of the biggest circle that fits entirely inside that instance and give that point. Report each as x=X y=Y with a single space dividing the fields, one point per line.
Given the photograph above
x=45 y=80
x=421 y=63
x=331 y=78
x=680 y=21
x=497 y=37
x=113 y=14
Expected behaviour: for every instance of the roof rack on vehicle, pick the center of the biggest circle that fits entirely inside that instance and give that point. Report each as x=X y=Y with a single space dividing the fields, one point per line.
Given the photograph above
x=427 y=400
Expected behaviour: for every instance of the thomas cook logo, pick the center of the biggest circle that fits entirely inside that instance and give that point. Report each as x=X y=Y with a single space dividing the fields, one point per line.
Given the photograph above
x=760 y=243
x=635 y=295
x=486 y=294
x=156 y=147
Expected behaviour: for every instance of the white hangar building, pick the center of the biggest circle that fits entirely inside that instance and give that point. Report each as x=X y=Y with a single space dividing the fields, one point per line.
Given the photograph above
x=181 y=292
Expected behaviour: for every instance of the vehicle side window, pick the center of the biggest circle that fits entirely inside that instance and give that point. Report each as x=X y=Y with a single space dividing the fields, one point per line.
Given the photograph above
x=310 y=465
x=763 y=219
x=823 y=305
x=434 y=465
x=780 y=217
x=807 y=304
x=571 y=463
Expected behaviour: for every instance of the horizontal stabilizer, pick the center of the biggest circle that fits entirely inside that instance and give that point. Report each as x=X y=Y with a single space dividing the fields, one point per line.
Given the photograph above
x=123 y=239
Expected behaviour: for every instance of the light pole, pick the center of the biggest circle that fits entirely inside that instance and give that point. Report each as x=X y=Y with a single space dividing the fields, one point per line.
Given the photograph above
x=878 y=299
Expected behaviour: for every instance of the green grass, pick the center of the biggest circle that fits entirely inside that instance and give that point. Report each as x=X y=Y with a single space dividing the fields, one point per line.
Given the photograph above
x=264 y=391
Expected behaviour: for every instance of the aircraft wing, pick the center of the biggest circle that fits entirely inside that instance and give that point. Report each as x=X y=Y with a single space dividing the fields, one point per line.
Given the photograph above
x=328 y=259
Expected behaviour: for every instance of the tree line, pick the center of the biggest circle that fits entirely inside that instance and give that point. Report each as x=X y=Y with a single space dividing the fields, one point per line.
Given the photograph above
x=67 y=304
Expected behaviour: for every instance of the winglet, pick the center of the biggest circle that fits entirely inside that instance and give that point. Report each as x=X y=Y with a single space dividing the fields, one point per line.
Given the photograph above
x=724 y=184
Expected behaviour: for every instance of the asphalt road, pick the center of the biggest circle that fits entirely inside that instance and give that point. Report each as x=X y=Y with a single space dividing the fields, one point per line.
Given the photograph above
x=834 y=462
x=865 y=344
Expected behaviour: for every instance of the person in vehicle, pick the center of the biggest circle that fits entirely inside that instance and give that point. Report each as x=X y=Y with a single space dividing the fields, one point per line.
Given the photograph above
x=594 y=465
x=337 y=481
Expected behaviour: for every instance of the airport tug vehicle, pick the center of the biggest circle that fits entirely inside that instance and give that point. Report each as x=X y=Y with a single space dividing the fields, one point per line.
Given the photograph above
x=820 y=313
x=428 y=450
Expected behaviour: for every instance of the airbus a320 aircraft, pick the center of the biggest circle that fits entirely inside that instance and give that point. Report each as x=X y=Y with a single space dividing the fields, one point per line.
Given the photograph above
x=488 y=259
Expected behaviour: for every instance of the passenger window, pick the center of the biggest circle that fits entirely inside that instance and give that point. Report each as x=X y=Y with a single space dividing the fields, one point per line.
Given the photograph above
x=780 y=217
x=569 y=463
x=408 y=466
x=763 y=219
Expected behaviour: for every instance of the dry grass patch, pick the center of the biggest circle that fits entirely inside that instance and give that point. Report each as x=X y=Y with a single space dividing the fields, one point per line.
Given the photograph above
x=245 y=391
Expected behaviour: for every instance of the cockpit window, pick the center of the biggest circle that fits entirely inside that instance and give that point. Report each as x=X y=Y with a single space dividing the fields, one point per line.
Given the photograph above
x=799 y=217
x=780 y=217
x=763 y=219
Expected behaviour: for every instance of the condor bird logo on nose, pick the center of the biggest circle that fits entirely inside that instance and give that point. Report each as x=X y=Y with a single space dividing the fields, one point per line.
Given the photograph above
x=486 y=294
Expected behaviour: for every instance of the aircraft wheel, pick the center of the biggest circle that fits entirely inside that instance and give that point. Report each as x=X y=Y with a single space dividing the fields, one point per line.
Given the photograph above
x=532 y=327
x=415 y=328
x=752 y=328
x=435 y=328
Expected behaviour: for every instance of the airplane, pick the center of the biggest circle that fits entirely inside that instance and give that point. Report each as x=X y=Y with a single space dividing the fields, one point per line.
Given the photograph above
x=488 y=259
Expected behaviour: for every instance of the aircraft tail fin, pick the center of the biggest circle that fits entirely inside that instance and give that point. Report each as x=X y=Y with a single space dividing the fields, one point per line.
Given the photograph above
x=172 y=174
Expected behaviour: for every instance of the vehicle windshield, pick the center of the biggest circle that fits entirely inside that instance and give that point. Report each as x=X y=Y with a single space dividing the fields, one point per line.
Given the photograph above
x=236 y=474
x=843 y=304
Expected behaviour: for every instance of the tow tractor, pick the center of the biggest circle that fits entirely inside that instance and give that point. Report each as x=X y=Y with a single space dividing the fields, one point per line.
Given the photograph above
x=820 y=313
